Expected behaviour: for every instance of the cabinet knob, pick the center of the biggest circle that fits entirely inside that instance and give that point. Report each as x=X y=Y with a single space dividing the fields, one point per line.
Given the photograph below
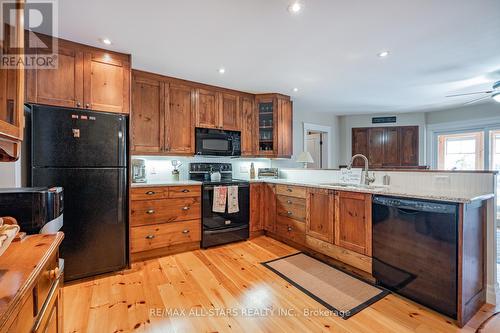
x=150 y=236
x=289 y=228
x=185 y=231
x=289 y=213
x=289 y=190
x=78 y=104
x=185 y=208
x=150 y=211
x=150 y=192
x=54 y=274
x=87 y=105
x=185 y=190
x=289 y=202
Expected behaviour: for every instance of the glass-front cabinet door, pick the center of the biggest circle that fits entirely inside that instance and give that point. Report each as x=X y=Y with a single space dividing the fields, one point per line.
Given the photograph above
x=267 y=128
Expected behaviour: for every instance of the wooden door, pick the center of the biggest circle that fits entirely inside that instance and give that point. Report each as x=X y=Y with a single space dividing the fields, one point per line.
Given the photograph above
x=248 y=128
x=391 y=147
x=269 y=207
x=229 y=112
x=409 y=145
x=62 y=86
x=353 y=221
x=207 y=108
x=285 y=128
x=147 y=118
x=179 y=119
x=376 y=146
x=256 y=201
x=106 y=82
x=359 y=144
x=320 y=213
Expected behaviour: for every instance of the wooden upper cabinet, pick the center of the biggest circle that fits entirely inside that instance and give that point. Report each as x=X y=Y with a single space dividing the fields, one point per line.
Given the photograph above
x=229 y=112
x=353 y=221
x=207 y=108
x=409 y=142
x=320 y=213
x=12 y=89
x=391 y=155
x=248 y=127
x=376 y=146
x=147 y=119
x=85 y=77
x=359 y=144
x=179 y=119
x=285 y=128
x=62 y=86
x=106 y=82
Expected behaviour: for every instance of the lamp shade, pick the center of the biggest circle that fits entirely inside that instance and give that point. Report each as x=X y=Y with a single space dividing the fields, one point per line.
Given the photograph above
x=305 y=157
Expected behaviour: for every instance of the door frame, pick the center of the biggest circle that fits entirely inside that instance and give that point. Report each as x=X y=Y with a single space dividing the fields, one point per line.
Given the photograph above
x=319 y=128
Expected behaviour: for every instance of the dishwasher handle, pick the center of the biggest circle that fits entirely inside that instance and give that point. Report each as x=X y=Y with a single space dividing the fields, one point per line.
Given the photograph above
x=416 y=205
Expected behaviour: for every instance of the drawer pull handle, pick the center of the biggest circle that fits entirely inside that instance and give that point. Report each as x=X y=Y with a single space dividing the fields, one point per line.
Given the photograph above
x=150 y=236
x=289 y=228
x=289 y=190
x=54 y=274
x=185 y=208
x=151 y=211
x=185 y=191
x=289 y=213
x=150 y=192
x=185 y=231
x=289 y=202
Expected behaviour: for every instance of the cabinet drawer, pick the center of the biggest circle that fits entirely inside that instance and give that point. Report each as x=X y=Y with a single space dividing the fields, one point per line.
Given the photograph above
x=184 y=191
x=291 y=229
x=162 y=235
x=49 y=274
x=165 y=210
x=291 y=191
x=148 y=193
x=294 y=208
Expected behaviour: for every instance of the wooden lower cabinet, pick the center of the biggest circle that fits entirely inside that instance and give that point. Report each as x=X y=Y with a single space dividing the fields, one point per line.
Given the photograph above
x=164 y=220
x=291 y=229
x=320 y=214
x=353 y=227
x=256 y=208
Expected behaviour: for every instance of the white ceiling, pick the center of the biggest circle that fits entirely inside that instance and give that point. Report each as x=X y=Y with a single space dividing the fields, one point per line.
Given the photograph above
x=328 y=51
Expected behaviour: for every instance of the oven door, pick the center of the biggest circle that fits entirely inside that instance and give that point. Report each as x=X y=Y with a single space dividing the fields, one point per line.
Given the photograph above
x=213 y=221
x=217 y=143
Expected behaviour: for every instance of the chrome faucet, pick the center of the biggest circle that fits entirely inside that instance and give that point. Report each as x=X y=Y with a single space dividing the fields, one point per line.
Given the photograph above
x=368 y=179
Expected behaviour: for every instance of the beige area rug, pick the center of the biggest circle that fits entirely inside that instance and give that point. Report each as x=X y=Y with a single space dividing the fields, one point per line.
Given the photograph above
x=339 y=292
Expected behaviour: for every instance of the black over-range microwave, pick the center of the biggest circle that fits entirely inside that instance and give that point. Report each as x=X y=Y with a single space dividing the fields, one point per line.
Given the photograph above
x=215 y=142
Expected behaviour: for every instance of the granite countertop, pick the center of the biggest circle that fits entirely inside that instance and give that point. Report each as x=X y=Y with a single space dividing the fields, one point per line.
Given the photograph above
x=441 y=195
x=167 y=183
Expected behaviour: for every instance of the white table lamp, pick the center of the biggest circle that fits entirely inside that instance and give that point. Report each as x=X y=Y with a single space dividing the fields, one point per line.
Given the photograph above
x=305 y=158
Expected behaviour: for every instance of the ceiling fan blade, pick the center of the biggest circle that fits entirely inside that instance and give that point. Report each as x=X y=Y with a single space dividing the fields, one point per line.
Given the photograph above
x=473 y=93
x=476 y=100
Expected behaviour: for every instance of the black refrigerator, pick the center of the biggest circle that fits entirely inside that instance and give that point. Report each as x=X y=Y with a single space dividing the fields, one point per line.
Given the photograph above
x=85 y=152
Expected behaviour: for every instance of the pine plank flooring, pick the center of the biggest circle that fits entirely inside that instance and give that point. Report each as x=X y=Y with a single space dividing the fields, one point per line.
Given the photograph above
x=225 y=289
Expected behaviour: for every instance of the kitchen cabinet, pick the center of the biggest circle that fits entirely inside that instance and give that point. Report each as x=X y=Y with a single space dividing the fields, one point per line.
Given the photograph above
x=179 y=119
x=291 y=213
x=256 y=207
x=275 y=125
x=12 y=91
x=85 y=77
x=164 y=220
x=248 y=128
x=148 y=119
x=207 y=108
x=229 y=112
x=353 y=226
x=387 y=147
x=269 y=207
x=320 y=214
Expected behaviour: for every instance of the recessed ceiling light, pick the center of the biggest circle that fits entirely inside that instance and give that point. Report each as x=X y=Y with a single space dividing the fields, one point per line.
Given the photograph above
x=295 y=7
x=295 y=89
x=106 y=41
x=222 y=70
x=383 y=54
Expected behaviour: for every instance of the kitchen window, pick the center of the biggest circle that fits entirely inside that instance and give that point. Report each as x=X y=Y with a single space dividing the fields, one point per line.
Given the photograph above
x=463 y=151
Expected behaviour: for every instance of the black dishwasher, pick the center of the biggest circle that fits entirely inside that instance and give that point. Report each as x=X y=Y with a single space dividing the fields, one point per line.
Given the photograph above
x=415 y=250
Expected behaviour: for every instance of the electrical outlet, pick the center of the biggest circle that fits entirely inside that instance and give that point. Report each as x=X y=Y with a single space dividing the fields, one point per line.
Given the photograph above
x=244 y=169
x=153 y=171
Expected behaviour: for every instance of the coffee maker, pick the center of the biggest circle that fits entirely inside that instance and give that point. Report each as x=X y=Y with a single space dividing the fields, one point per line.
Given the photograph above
x=138 y=170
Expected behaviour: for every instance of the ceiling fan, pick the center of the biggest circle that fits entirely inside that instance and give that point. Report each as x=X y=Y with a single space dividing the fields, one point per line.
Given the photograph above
x=494 y=93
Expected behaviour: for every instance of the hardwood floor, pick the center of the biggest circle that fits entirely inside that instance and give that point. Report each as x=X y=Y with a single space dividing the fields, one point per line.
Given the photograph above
x=230 y=279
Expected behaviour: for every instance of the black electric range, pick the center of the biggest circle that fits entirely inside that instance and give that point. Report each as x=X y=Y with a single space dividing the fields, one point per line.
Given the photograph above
x=221 y=228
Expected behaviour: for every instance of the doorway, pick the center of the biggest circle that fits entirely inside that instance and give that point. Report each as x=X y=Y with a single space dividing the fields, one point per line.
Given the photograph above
x=317 y=141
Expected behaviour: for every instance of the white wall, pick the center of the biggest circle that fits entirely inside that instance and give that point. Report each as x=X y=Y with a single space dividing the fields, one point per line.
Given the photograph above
x=10 y=174
x=347 y=123
x=465 y=113
x=301 y=116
